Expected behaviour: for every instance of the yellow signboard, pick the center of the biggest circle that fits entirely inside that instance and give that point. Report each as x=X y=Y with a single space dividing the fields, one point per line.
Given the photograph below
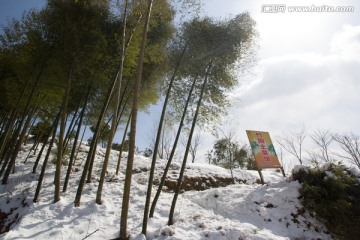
x=263 y=149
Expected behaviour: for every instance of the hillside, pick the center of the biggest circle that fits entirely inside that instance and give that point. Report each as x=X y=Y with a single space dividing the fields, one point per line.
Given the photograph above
x=223 y=209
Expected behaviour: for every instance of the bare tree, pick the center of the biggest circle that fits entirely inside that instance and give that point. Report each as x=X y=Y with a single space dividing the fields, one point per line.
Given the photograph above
x=195 y=146
x=196 y=142
x=322 y=139
x=293 y=143
x=166 y=140
x=350 y=143
x=285 y=164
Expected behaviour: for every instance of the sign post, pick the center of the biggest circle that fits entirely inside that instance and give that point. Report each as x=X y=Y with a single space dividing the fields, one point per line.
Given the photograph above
x=264 y=151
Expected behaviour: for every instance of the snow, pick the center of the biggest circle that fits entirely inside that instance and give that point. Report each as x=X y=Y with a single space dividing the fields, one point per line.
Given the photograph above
x=355 y=171
x=329 y=175
x=244 y=210
x=326 y=166
x=298 y=168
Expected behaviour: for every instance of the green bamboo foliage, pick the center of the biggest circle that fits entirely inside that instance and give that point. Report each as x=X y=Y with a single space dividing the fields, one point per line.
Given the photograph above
x=98 y=66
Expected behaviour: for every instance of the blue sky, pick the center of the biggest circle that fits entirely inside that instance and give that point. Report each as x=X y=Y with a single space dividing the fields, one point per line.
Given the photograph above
x=15 y=8
x=307 y=72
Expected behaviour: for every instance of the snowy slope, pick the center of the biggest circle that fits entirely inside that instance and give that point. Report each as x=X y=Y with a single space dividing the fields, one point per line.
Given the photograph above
x=237 y=211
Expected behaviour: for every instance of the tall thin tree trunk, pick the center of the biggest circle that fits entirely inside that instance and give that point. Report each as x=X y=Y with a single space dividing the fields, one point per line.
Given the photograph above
x=53 y=128
x=17 y=148
x=34 y=146
x=70 y=165
x=122 y=145
x=157 y=141
x=25 y=130
x=10 y=146
x=115 y=114
x=37 y=143
x=178 y=185
x=4 y=129
x=120 y=106
x=123 y=108
x=81 y=140
x=127 y=184
x=72 y=124
x=43 y=168
x=7 y=155
x=12 y=120
x=3 y=121
x=31 y=126
x=5 y=136
x=167 y=167
x=39 y=156
x=96 y=141
x=89 y=160
x=97 y=134
x=67 y=139
x=19 y=136
x=108 y=149
x=61 y=138
x=118 y=120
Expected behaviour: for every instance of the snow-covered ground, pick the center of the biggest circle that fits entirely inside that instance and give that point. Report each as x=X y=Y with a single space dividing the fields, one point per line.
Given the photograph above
x=238 y=211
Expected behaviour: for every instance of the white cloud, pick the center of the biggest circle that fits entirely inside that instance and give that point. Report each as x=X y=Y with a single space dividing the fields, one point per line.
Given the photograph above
x=284 y=76
x=347 y=42
x=320 y=91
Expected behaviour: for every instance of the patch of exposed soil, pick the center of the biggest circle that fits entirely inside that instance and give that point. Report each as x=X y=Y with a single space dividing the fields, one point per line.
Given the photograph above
x=200 y=183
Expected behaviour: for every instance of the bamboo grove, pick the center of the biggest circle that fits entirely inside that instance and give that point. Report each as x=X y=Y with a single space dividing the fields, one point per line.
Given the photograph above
x=79 y=65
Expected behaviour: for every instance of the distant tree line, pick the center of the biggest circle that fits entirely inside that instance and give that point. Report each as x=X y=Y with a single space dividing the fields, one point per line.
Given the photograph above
x=323 y=147
x=327 y=147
